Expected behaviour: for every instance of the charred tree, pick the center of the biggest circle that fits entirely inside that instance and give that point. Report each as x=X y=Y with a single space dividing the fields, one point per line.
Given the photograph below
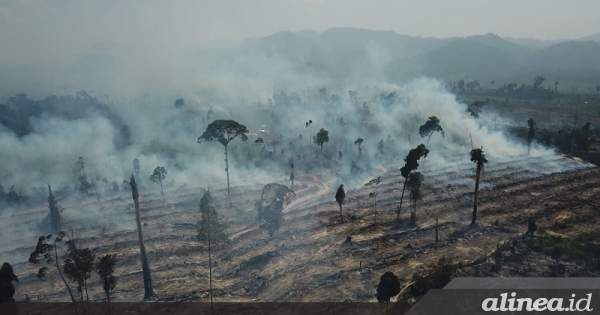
x=340 y=195
x=148 y=291
x=54 y=212
x=478 y=158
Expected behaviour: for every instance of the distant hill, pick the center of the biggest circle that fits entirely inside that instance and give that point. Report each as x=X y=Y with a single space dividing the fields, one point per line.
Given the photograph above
x=339 y=56
x=576 y=62
x=459 y=59
x=495 y=41
x=595 y=38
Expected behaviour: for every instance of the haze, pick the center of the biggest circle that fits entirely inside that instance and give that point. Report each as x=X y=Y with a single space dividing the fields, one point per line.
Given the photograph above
x=34 y=30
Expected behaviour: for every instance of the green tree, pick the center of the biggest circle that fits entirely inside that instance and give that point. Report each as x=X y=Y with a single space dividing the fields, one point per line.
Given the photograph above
x=224 y=131
x=160 y=173
x=106 y=269
x=43 y=251
x=78 y=267
x=531 y=133
x=340 y=195
x=478 y=157
x=412 y=164
x=432 y=125
x=321 y=137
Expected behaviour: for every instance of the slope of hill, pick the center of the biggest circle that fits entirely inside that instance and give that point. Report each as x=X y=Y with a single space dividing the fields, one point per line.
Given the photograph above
x=460 y=59
x=575 y=62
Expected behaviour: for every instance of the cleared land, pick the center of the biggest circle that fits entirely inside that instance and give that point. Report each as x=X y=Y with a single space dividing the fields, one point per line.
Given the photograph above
x=314 y=262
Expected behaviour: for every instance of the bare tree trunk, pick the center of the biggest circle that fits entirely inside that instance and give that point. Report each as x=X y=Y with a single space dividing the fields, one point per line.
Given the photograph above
x=87 y=297
x=63 y=278
x=162 y=193
x=210 y=265
x=148 y=291
x=375 y=206
x=227 y=170
x=401 y=198
x=437 y=239
x=474 y=220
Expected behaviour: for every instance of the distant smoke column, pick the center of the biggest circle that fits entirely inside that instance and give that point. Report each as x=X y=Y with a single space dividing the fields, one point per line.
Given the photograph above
x=145 y=266
x=54 y=212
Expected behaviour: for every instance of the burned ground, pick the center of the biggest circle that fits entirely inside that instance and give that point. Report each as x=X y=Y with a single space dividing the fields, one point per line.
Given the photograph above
x=314 y=263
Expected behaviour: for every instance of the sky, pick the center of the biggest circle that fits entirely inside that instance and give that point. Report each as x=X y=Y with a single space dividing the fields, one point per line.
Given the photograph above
x=36 y=29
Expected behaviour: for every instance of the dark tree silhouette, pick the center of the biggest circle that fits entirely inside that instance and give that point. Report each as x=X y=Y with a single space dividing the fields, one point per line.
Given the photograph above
x=148 y=291
x=411 y=164
x=78 y=267
x=432 y=125
x=388 y=287
x=2 y=193
x=375 y=182
x=43 y=250
x=160 y=173
x=359 y=142
x=84 y=183
x=475 y=108
x=179 y=102
x=321 y=137
x=292 y=177
x=54 y=212
x=7 y=289
x=478 y=158
x=538 y=82
x=340 y=195
x=414 y=183
x=224 y=131
x=106 y=269
x=274 y=198
x=531 y=133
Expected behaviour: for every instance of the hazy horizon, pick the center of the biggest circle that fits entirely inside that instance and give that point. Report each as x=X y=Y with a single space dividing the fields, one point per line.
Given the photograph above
x=41 y=30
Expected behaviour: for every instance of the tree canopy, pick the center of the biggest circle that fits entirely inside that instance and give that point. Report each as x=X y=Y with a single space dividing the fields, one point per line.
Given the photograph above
x=411 y=159
x=478 y=157
x=431 y=125
x=388 y=287
x=321 y=137
x=475 y=108
x=223 y=131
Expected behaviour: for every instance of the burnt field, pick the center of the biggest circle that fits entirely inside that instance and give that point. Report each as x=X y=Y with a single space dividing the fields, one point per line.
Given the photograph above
x=315 y=260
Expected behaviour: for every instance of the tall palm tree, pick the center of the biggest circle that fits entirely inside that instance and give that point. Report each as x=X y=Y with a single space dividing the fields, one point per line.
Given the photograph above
x=478 y=158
